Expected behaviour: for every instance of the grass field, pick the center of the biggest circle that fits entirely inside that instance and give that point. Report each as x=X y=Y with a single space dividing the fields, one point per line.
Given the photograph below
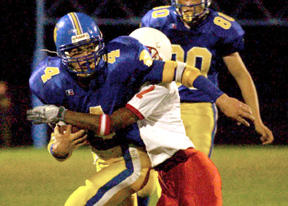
x=251 y=175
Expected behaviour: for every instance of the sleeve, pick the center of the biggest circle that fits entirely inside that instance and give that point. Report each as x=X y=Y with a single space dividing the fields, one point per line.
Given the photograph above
x=145 y=21
x=134 y=59
x=147 y=100
x=49 y=92
x=233 y=40
x=169 y=71
x=156 y=73
x=156 y=17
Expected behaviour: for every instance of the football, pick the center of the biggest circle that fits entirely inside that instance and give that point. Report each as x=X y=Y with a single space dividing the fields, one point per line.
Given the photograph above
x=63 y=128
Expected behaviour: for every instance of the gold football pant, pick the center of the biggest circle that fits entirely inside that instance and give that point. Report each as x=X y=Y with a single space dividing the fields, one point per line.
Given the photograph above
x=152 y=190
x=113 y=184
x=200 y=121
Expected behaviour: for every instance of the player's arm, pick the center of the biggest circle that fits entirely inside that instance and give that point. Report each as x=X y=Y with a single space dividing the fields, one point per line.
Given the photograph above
x=100 y=124
x=190 y=76
x=243 y=78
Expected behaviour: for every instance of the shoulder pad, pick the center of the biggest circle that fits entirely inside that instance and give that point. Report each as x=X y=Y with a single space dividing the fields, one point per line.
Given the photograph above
x=123 y=42
x=47 y=76
x=226 y=26
x=131 y=56
x=158 y=17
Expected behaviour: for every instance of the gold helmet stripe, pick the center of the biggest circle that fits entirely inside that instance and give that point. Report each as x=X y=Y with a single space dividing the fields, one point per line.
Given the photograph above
x=75 y=22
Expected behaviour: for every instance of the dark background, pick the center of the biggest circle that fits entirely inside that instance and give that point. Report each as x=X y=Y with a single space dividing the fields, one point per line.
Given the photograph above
x=265 y=56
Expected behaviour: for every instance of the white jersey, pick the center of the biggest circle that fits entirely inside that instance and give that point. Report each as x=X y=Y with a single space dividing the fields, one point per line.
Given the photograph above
x=161 y=127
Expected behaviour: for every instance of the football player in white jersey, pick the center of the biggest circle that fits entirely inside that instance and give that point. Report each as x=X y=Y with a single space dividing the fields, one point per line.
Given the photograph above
x=187 y=176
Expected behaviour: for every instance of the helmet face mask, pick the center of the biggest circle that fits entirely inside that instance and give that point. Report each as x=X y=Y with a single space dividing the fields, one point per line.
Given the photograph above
x=191 y=11
x=79 y=43
x=154 y=53
x=83 y=58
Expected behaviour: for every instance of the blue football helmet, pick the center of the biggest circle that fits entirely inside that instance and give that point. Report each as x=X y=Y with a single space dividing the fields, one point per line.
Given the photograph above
x=79 y=43
x=191 y=13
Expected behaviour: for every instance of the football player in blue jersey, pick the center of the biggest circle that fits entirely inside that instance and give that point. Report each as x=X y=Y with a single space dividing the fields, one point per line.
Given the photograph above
x=204 y=38
x=89 y=77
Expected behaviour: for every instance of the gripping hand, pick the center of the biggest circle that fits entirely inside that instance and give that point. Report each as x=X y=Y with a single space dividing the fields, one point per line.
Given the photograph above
x=46 y=114
x=235 y=109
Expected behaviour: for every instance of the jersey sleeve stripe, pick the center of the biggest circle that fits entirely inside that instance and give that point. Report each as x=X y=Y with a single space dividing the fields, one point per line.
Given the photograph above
x=189 y=76
x=169 y=71
x=135 y=111
x=179 y=72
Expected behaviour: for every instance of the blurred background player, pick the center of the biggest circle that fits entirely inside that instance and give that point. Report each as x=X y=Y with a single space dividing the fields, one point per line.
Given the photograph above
x=157 y=109
x=88 y=77
x=204 y=38
x=5 y=115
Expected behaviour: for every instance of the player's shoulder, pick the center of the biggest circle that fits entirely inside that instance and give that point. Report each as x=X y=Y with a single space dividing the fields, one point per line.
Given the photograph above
x=124 y=43
x=48 y=75
x=127 y=54
x=131 y=50
x=159 y=16
x=47 y=68
x=224 y=25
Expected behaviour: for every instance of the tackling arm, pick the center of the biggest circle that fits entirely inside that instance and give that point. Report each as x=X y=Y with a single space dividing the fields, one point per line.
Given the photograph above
x=101 y=124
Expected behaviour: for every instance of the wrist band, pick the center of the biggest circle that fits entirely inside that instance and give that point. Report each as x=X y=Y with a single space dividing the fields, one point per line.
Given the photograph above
x=104 y=125
x=61 y=113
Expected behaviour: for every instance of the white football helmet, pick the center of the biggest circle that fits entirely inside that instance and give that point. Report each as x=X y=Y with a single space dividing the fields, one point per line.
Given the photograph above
x=156 y=41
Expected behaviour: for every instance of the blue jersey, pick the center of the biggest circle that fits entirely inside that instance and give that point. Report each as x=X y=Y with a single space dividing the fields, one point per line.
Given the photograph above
x=202 y=46
x=125 y=66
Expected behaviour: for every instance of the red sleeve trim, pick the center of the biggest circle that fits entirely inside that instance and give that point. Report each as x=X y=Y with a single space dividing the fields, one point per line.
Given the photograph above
x=135 y=111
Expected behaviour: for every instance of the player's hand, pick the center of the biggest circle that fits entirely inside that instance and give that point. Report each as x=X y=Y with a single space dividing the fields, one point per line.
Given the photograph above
x=235 y=109
x=46 y=114
x=266 y=134
x=66 y=142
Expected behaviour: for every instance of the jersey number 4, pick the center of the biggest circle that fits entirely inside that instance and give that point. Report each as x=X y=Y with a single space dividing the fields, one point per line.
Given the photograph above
x=49 y=72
